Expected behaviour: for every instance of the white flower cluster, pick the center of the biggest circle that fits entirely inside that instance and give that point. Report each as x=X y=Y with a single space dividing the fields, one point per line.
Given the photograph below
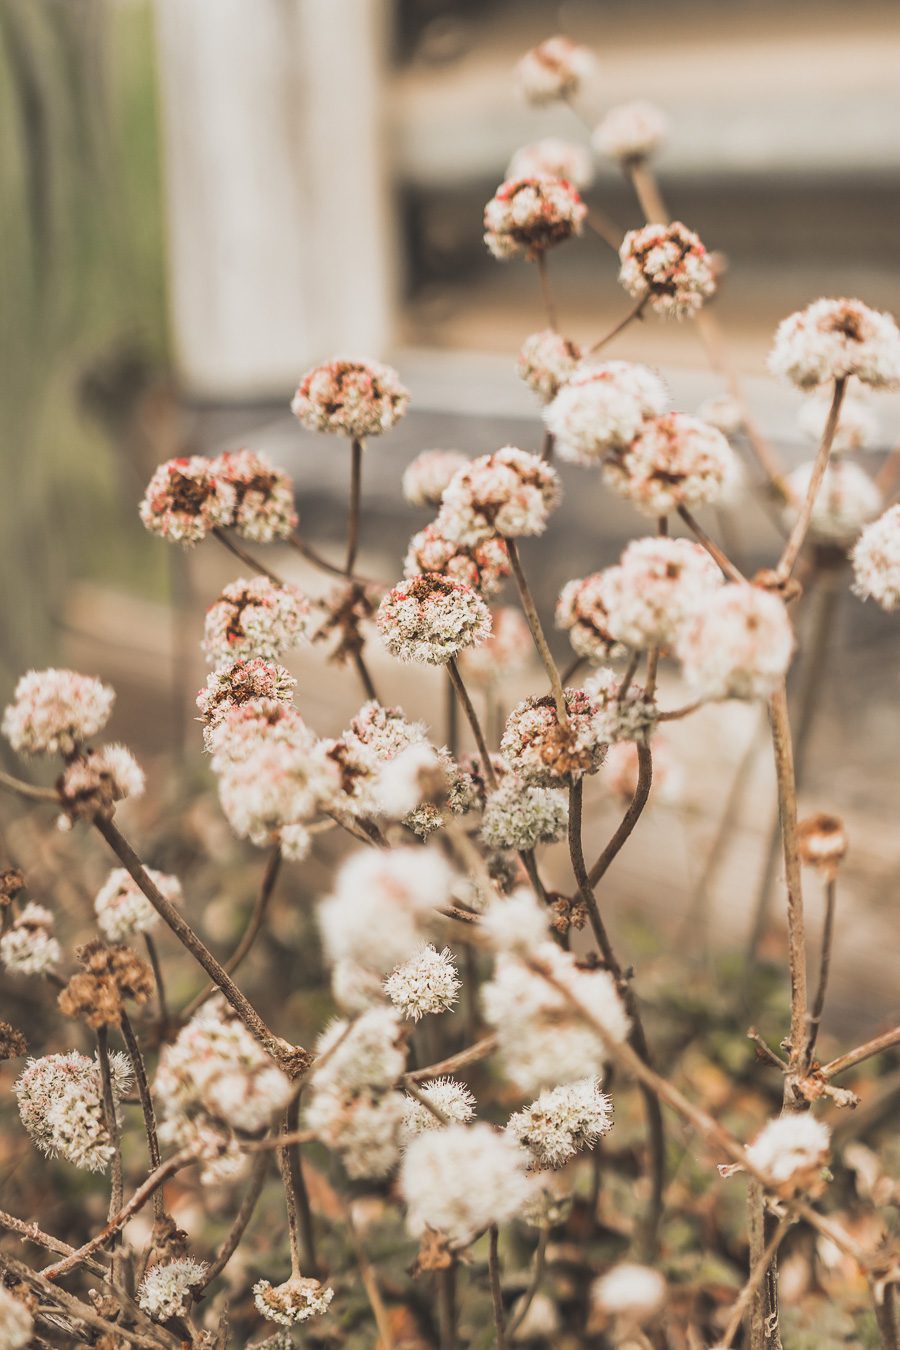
x=846 y=501
x=458 y=1180
x=669 y=265
x=657 y=585
x=426 y=983
x=295 y=1301
x=263 y=495
x=675 y=460
x=545 y=754
x=519 y=816
x=876 y=560
x=186 y=499
x=629 y=1290
x=450 y=1098
x=631 y=131
x=425 y=477
x=431 y=618
x=791 y=1144
x=123 y=910
x=581 y=611
x=350 y=398
x=552 y=158
x=482 y=566
x=530 y=215
x=739 y=644
x=55 y=711
x=833 y=339
x=510 y=493
x=255 y=618
x=563 y=1121
x=28 y=946
x=546 y=361
x=555 y=69
x=602 y=408
x=625 y=716
x=233 y=685
x=165 y=1286
x=60 y=1101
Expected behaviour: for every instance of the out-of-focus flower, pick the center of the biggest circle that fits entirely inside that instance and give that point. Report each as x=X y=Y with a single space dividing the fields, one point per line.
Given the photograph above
x=546 y=361
x=857 y=425
x=631 y=131
x=431 y=618
x=622 y=766
x=658 y=584
x=675 y=460
x=790 y=1147
x=364 y=1128
x=123 y=910
x=425 y=478
x=61 y=1105
x=629 y=1290
x=510 y=493
x=876 y=560
x=530 y=215
x=165 y=1287
x=555 y=69
x=55 y=711
x=723 y=412
x=546 y=754
x=483 y=566
x=580 y=610
x=28 y=947
x=186 y=499
x=16 y=1321
x=738 y=645
x=822 y=842
x=350 y=398
x=263 y=495
x=295 y=1301
x=833 y=339
x=602 y=408
x=255 y=618
x=563 y=1121
x=552 y=158
x=506 y=653
x=847 y=499
x=452 y=1099
x=521 y=817
x=460 y=1179
x=669 y=265
x=92 y=783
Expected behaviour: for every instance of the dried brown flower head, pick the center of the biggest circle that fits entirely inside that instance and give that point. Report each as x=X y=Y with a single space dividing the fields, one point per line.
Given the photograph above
x=12 y=881
x=822 y=842
x=12 y=1043
x=110 y=975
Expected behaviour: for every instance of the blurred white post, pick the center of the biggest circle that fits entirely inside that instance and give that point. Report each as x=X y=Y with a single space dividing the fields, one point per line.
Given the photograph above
x=275 y=185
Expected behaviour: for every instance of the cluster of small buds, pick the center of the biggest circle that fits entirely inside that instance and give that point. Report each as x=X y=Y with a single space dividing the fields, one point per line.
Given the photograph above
x=426 y=983
x=629 y=1291
x=563 y=1121
x=628 y=715
x=676 y=460
x=792 y=1148
x=123 y=910
x=857 y=425
x=846 y=501
x=376 y=737
x=263 y=495
x=380 y=905
x=739 y=644
x=876 y=561
x=350 y=398
x=450 y=1099
x=60 y=1100
x=255 y=618
x=658 y=584
x=546 y=361
x=461 y=1179
x=833 y=339
x=530 y=215
x=483 y=566
x=276 y=787
x=13 y=1044
x=552 y=158
x=28 y=947
x=669 y=265
x=297 y=1300
x=555 y=69
x=542 y=1039
x=521 y=817
x=165 y=1286
x=91 y=784
x=186 y=499
x=110 y=974
x=236 y=684
x=16 y=1321
x=581 y=611
x=425 y=478
x=510 y=493
x=429 y=619
x=55 y=711
x=506 y=653
x=602 y=408
x=631 y=131
x=544 y=753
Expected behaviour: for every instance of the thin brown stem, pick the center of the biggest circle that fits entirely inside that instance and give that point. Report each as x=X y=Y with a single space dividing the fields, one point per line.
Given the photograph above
x=311 y=555
x=818 y=1004
x=461 y=1060
x=886 y=1041
x=534 y=1284
x=446 y=1286
x=296 y=1198
x=605 y=229
x=356 y=458
x=647 y=192
x=760 y=1264
x=28 y=790
x=246 y=558
x=537 y=632
x=787 y=809
x=636 y=312
x=245 y=1213
x=472 y=717
x=386 y=1340
x=800 y=527
x=546 y=291
x=140 y=1077
x=112 y=1122
x=719 y=558
x=630 y=818
x=583 y=881
x=418 y=1095
x=32 y=1233
x=548 y=447
x=365 y=678
x=675 y=714
x=572 y=669
x=496 y=1291
x=160 y=984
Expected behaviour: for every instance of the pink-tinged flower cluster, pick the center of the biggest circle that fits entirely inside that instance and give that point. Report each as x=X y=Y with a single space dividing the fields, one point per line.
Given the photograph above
x=739 y=644
x=658 y=584
x=846 y=501
x=255 y=618
x=425 y=478
x=602 y=408
x=581 y=611
x=669 y=265
x=546 y=361
x=631 y=131
x=186 y=499
x=60 y=1100
x=676 y=460
x=530 y=215
x=237 y=733
x=510 y=493
x=483 y=566
x=545 y=754
x=55 y=711
x=431 y=618
x=625 y=715
x=555 y=69
x=28 y=947
x=263 y=495
x=833 y=339
x=240 y=683
x=123 y=910
x=92 y=783
x=876 y=561
x=552 y=158
x=350 y=398
x=507 y=652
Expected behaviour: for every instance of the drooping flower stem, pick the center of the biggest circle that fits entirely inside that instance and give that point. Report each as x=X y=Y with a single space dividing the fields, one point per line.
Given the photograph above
x=647 y=191
x=246 y=558
x=356 y=458
x=636 y=312
x=140 y=1077
x=471 y=715
x=534 y=623
x=798 y=533
x=496 y=1292
x=446 y=1285
x=576 y=854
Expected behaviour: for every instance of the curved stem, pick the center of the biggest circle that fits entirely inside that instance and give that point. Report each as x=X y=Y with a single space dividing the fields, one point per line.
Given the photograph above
x=537 y=1275
x=630 y=818
x=537 y=632
x=246 y=558
x=636 y=312
x=311 y=555
x=801 y=524
x=472 y=717
x=585 y=887
x=818 y=1004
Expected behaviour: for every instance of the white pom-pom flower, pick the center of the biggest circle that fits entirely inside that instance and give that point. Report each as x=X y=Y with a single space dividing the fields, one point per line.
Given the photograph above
x=546 y=361
x=425 y=478
x=675 y=460
x=793 y=1143
x=426 y=983
x=450 y=1099
x=263 y=495
x=530 y=215
x=460 y=1179
x=255 y=618
x=431 y=618
x=55 y=711
x=123 y=910
x=669 y=265
x=186 y=499
x=563 y=1121
x=297 y=1300
x=738 y=645
x=510 y=493
x=602 y=408
x=165 y=1287
x=545 y=754
x=28 y=946
x=631 y=131
x=552 y=158
x=876 y=561
x=350 y=398
x=521 y=817
x=658 y=584
x=555 y=69
x=833 y=339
